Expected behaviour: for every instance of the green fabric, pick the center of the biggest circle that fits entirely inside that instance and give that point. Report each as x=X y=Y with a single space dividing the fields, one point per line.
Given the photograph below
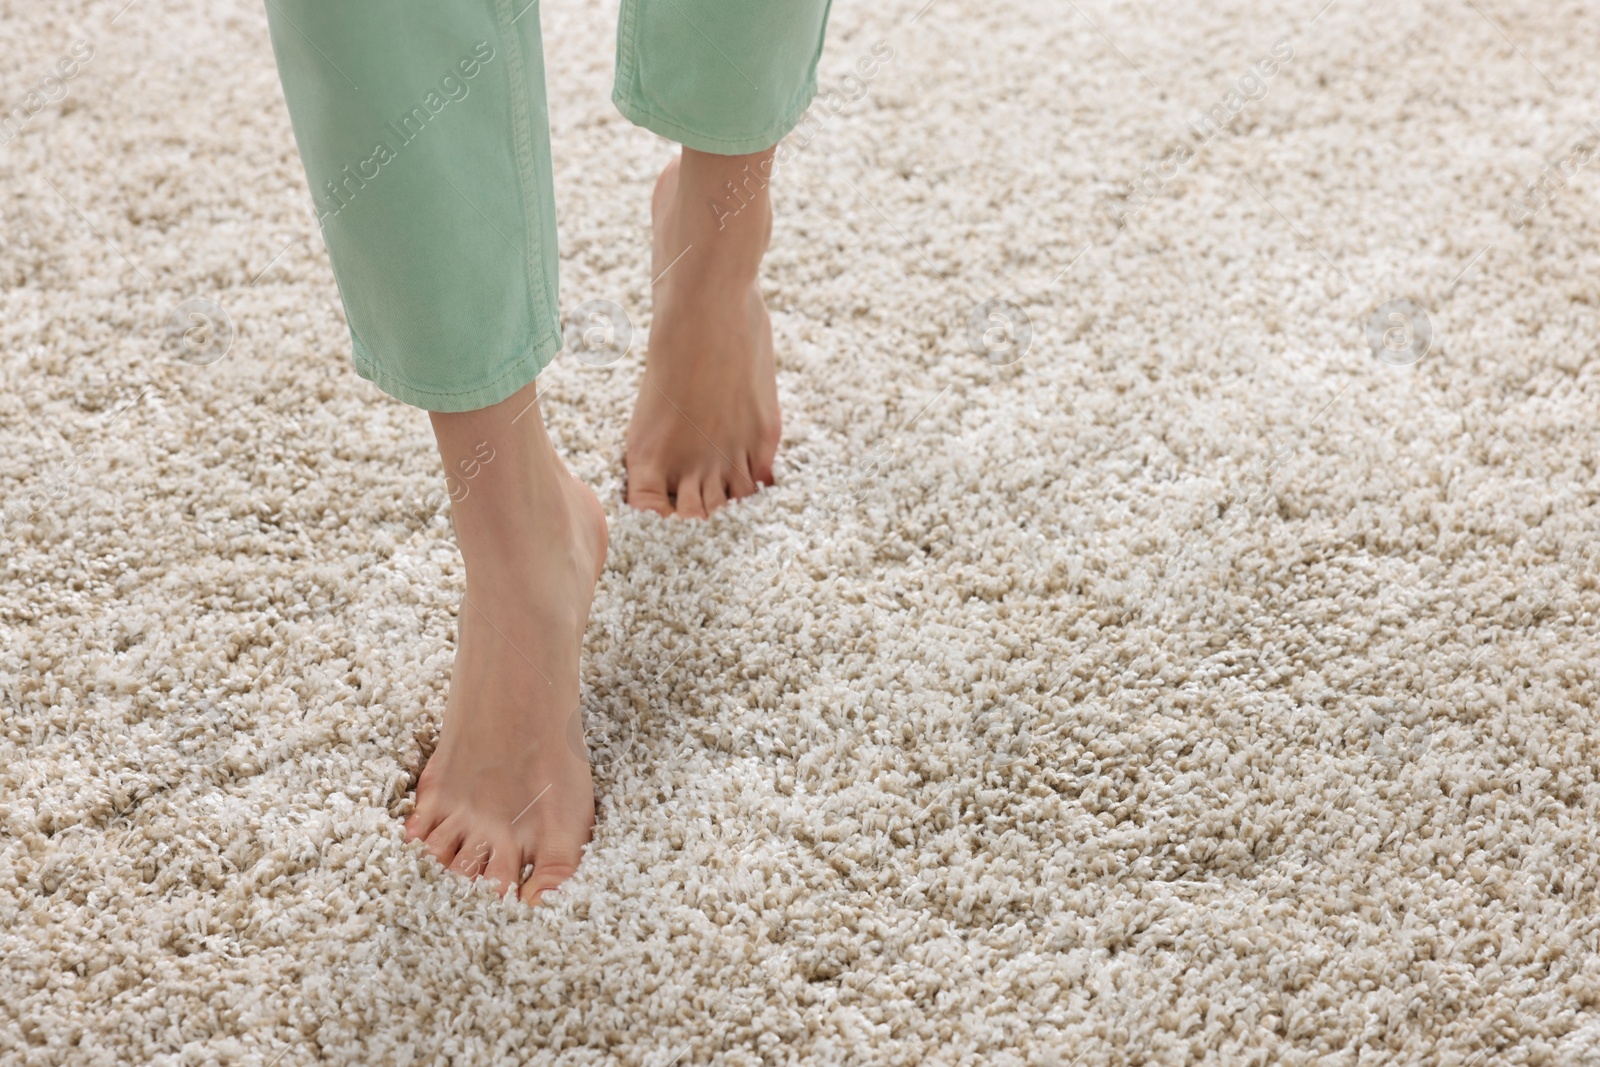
x=423 y=127
x=722 y=76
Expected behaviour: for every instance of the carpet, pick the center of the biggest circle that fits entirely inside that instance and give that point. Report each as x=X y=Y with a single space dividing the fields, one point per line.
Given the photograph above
x=1172 y=636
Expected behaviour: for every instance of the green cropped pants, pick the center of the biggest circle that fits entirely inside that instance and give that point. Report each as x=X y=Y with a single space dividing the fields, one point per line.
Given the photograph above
x=424 y=132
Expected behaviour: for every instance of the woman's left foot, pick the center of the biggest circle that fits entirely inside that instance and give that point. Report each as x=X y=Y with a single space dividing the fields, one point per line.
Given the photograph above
x=706 y=425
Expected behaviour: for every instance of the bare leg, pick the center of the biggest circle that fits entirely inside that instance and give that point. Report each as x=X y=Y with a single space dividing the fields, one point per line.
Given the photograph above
x=706 y=424
x=505 y=787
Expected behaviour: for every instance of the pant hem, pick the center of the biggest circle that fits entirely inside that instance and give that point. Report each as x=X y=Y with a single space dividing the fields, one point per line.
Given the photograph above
x=640 y=115
x=511 y=376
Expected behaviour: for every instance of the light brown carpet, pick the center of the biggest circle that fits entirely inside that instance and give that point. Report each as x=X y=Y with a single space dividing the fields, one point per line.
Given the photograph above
x=1196 y=686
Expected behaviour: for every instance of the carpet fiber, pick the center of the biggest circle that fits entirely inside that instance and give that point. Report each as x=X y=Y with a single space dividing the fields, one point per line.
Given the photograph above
x=1191 y=656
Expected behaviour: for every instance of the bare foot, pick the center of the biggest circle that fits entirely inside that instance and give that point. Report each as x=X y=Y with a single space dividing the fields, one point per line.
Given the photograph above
x=706 y=424
x=506 y=787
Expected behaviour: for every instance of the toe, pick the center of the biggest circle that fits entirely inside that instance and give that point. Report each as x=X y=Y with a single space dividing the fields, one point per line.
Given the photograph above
x=647 y=490
x=445 y=841
x=713 y=491
x=741 y=483
x=420 y=824
x=690 y=503
x=761 y=464
x=427 y=814
x=473 y=857
x=552 y=866
x=505 y=865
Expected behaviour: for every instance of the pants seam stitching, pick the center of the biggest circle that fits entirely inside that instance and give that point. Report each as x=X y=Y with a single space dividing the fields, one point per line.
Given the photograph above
x=517 y=75
x=540 y=353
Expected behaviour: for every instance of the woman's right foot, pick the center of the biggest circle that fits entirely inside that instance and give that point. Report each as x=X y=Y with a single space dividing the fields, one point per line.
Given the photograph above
x=507 y=788
x=706 y=425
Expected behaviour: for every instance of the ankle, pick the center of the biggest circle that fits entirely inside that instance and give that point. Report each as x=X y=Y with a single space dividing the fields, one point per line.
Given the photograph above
x=724 y=203
x=728 y=208
x=507 y=540
x=510 y=494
